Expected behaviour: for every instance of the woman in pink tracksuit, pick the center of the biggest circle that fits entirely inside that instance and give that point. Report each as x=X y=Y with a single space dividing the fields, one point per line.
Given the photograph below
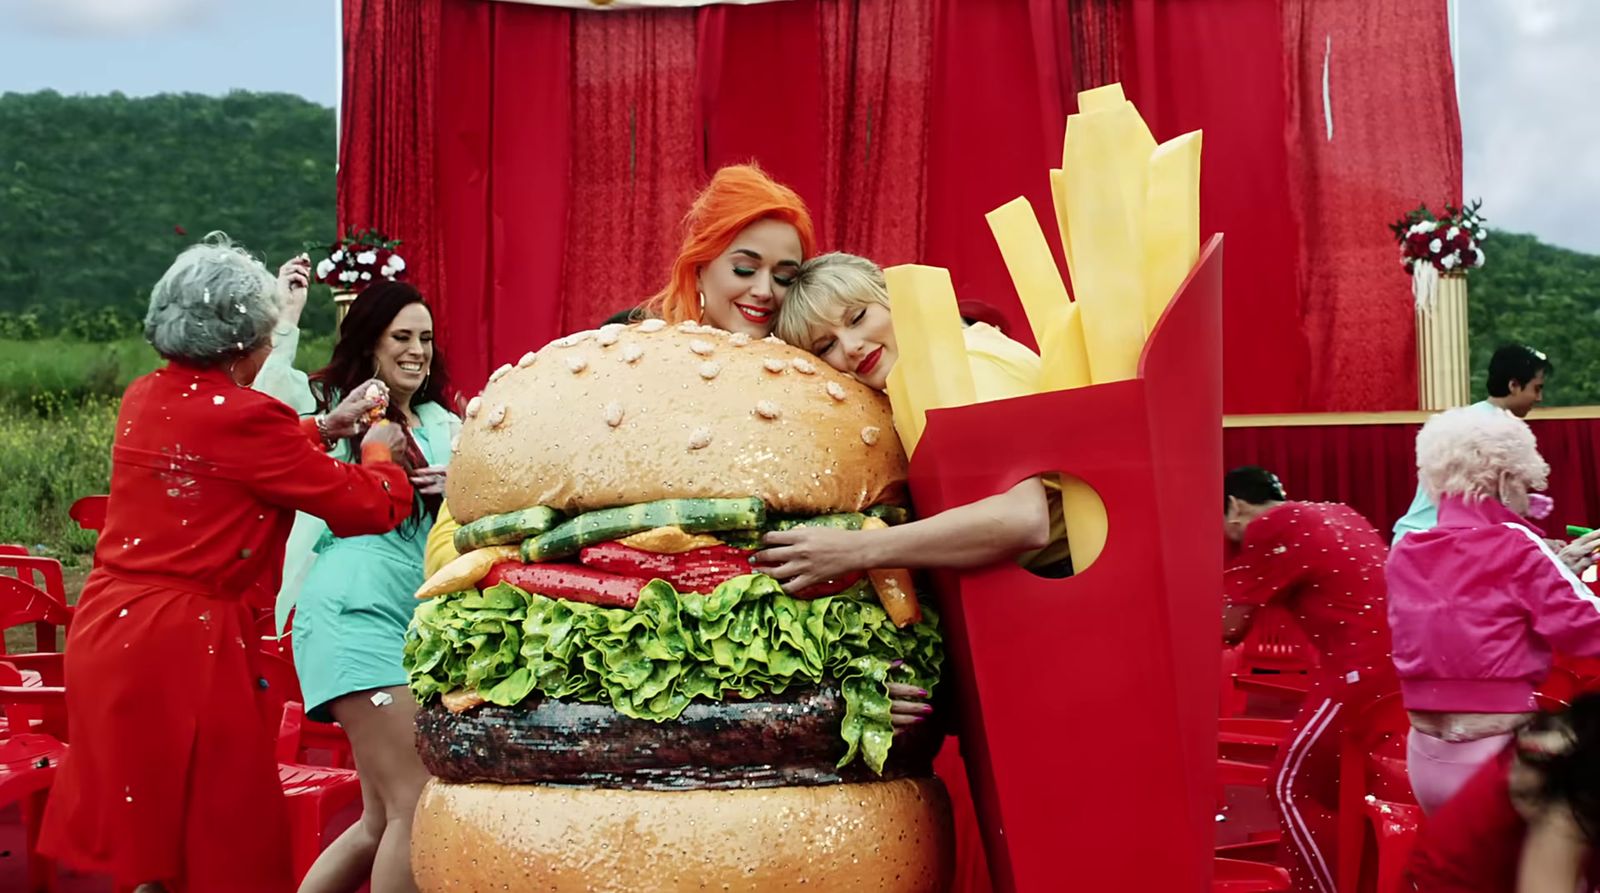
x=1478 y=604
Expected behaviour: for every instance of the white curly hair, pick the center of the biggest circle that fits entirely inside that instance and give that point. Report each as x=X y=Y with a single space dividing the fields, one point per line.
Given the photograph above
x=1472 y=454
x=215 y=301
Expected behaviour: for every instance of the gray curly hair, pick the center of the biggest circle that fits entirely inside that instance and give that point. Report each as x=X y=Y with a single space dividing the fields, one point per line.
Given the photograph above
x=214 y=302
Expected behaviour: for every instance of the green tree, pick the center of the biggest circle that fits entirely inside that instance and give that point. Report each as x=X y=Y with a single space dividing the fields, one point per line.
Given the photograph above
x=94 y=191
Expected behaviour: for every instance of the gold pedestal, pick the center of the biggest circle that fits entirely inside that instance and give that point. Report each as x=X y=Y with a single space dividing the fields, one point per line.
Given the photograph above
x=341 y=306
x=1444 y=373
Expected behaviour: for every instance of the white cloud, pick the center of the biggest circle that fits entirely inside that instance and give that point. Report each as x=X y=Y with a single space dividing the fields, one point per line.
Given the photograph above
x=108 y=18
x=1529 y=130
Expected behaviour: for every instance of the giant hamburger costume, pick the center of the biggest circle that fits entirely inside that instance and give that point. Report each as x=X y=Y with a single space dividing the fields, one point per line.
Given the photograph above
x=613 y=699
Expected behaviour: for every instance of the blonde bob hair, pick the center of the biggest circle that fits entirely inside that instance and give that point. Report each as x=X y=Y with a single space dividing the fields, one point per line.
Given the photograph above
x=1470 y=453
x=826 y=288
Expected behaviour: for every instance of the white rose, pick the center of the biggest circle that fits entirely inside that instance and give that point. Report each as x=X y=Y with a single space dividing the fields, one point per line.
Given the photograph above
x=386 y=272
x=367 y=257
x=365 y=276
x=1452 y=232
x=1478 y=261
x=348 y=276
x=1415 y=228
x=1480 y=235
x=1449 y=261
x=397 y=262
x=1435 y=246
x=1429 y=226
x=337 y=256
x=324 y=268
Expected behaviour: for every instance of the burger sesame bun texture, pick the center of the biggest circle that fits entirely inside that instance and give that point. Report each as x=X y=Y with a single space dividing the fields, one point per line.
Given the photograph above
x=631 y=414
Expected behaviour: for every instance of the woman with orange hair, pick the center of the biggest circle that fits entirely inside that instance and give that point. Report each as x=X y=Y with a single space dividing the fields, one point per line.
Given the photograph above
x=744 y=238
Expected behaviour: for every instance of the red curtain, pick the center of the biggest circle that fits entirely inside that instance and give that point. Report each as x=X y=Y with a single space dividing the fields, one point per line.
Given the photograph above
x=1218 y=66
x=387 y=160
x=1372 y=468
x=1374 y=130
x=635 y=149
x=537 y=160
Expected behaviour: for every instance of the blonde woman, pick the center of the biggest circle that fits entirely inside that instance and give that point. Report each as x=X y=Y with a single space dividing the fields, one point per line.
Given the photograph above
x=1478 y=604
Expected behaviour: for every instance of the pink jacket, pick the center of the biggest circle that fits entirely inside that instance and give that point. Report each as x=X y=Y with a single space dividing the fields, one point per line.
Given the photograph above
x=1476 y=606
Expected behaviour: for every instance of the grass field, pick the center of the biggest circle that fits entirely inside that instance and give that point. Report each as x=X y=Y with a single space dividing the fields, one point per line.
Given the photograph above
x=58 y=405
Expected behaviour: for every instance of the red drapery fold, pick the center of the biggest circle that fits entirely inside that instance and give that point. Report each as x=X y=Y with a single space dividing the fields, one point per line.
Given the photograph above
x=635 y=161
x=1372 y=468
x=387 y=160
x=1374 y=129
x=1217 y=66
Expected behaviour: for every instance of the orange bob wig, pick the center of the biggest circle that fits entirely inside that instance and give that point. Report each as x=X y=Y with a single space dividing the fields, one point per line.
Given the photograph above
x=737 y=196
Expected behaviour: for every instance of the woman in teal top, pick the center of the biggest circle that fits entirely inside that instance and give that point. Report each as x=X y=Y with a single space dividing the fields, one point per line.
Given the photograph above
x=353 y=597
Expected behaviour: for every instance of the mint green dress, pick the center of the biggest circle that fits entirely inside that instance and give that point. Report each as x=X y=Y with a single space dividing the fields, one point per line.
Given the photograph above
x=352 y=597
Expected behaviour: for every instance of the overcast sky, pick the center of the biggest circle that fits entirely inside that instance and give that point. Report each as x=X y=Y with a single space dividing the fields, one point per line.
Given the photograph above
x=1528 y=72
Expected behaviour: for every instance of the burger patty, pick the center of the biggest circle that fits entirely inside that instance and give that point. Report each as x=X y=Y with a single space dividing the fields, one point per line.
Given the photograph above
x=778 y=741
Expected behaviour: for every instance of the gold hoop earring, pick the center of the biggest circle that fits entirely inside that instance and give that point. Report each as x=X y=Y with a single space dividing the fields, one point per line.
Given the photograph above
x=702 y=300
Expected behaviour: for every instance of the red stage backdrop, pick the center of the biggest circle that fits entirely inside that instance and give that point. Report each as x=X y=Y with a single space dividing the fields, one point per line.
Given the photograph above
x=537 y=160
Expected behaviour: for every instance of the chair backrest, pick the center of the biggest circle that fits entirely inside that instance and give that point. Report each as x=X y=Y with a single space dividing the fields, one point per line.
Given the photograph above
x=1364 y=729
x=22 y=603
x=1276 y=641
x=90 y=513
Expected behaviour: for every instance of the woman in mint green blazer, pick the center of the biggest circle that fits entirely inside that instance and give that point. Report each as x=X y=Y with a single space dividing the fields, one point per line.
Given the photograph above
x=353 y=597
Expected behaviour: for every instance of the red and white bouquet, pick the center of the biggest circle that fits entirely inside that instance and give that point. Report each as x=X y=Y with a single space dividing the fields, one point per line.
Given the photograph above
x=358 y=260
x=1450 y=244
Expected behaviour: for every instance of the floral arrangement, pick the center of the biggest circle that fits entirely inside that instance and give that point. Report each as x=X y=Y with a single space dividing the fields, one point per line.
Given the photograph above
x=354 y=262
x=1450 y=244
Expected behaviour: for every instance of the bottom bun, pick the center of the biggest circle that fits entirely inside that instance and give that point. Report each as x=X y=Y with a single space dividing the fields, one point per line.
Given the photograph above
x=893 y=836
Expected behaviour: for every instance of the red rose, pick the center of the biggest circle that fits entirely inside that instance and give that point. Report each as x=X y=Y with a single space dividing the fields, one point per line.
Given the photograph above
x=178 y=228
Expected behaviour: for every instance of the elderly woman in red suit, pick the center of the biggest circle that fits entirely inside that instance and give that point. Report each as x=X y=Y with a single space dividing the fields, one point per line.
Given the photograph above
x=171 y=783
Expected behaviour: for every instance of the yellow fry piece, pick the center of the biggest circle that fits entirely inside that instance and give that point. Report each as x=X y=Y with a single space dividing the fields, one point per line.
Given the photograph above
x=1033 y=269
x=922 y=304
x=441 y=545
x=1101 y=98
x=908 y=421
x=1171 y=221
x=467 y=570
x=1058 y=197
x=1069 y=367
x=1108 y=275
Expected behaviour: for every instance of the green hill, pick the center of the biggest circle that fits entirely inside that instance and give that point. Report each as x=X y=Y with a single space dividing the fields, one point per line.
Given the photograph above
x=1544 y=296
x=94 y=191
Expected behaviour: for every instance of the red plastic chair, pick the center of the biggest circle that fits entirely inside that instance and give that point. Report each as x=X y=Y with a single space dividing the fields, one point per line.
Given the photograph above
x=325 y=738
x=1395 y=826
x=1276 y=642
x=315 y=794
x=1237 y=876
x=1250 y=738
x=90 y=513
x=25 y=568
x=27 y=769
x=1364 y=771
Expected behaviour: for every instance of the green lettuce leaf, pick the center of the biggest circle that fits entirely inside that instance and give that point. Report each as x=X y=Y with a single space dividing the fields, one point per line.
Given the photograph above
x=747 y=637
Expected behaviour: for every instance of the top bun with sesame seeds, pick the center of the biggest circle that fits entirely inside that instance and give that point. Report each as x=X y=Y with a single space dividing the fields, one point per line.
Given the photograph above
x=631 y=414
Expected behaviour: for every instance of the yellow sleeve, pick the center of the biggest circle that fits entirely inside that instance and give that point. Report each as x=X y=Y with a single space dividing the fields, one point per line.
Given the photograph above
x=1054 y=558
x=1001 y=368
x=441 y=547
